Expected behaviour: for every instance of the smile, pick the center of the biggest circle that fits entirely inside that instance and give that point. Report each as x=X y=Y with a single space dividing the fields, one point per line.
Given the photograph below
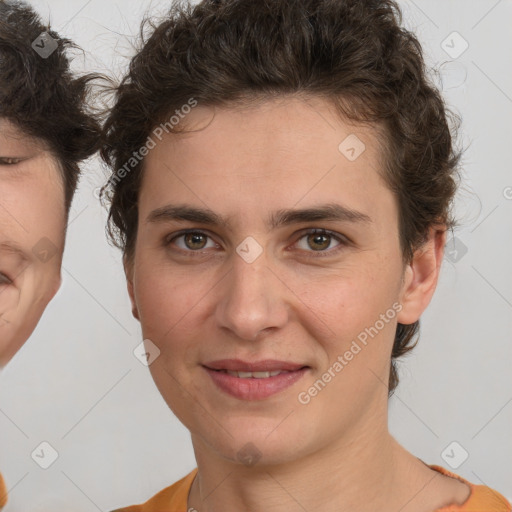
x=256 y=385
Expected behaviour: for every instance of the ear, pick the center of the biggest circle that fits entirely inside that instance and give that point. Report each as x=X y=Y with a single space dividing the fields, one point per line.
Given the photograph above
x=421 y=275
x=129 y=273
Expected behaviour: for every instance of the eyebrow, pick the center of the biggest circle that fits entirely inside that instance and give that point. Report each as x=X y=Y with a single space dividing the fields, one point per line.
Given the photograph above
x=278 y=218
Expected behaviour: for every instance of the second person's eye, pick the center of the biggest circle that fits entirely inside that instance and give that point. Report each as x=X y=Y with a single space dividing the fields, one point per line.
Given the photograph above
x=4 y=280
x=5 y=160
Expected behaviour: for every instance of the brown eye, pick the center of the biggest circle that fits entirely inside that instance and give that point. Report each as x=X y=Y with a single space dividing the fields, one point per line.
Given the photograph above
x=319 y=241
x=190 y=241
x=195 y=241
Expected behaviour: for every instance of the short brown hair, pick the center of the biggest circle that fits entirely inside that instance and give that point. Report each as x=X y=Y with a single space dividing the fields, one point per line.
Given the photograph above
x=40 y=95
x=352 y=52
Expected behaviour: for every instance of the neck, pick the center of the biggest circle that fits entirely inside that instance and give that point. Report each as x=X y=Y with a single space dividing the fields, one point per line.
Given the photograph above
x=365 y=470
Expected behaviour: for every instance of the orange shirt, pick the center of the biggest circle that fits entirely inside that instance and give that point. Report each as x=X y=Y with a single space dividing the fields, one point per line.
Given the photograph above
x=3 y=492
x=174 y=498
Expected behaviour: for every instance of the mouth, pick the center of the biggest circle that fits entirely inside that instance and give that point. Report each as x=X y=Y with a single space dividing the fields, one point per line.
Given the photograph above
x=254 y=375
x=264 y=365
x=254 y=381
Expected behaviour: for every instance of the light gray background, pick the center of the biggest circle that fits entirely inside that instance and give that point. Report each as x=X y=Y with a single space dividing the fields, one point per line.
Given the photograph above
x=77 y=385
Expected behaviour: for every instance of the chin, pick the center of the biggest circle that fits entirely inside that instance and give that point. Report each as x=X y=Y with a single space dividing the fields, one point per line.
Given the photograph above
x=255 y=442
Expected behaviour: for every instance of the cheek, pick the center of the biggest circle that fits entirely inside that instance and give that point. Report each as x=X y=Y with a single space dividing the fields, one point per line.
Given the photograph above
x=38 y=210
x=351 y=298
x=165 y=297
x=353 y=316
x=49 y=217
x=16 y=327
x=21 y=308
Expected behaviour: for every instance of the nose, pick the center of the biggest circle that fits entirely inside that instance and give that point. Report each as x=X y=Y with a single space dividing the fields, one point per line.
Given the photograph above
x=252 y=300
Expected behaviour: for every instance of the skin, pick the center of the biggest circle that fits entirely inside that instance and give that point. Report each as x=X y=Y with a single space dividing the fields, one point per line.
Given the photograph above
x=198 y=300
x=32 y=231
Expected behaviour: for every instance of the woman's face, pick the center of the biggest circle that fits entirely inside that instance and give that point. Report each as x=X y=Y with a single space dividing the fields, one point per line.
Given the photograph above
x=252 y=290
x=32 y=229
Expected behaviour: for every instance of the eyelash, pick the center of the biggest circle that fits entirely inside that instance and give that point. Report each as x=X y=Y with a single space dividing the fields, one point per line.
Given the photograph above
x=9 y=161
x=4 y=280
x=343 y=241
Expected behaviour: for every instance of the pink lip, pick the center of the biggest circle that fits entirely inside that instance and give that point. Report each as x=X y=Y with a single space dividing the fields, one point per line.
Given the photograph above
x=253 y=388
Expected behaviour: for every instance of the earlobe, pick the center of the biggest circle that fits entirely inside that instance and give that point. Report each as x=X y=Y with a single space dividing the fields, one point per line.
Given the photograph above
x=421 y=276
x=128 y=270
x=135 y=311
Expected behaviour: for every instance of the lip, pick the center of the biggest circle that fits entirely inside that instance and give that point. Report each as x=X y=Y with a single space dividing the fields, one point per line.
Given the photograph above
x=254 y=388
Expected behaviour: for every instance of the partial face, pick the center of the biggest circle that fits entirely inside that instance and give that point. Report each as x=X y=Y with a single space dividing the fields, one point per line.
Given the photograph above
x=265 y=276
x=32 y=229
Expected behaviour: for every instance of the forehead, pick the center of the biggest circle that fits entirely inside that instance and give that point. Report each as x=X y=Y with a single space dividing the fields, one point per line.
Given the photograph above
x=282 y=151
x=304 y=125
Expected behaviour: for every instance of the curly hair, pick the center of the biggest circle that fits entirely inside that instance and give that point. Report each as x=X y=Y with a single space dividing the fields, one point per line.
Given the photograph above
x=41 y=96
x=353 y=53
